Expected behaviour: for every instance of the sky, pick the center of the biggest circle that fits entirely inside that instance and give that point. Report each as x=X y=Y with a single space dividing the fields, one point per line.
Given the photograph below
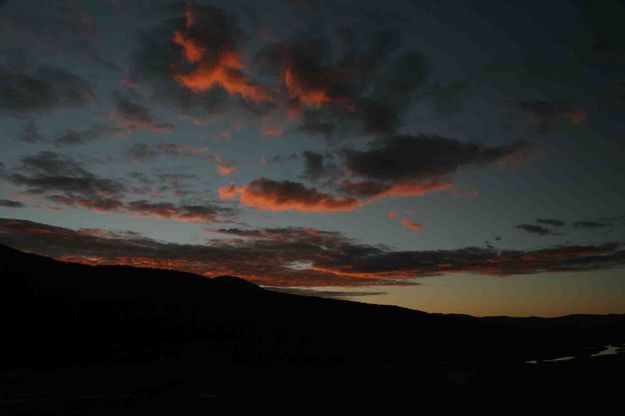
x=445 y=156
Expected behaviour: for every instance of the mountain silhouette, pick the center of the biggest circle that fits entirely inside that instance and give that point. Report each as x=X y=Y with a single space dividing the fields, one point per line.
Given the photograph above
x=182 y=341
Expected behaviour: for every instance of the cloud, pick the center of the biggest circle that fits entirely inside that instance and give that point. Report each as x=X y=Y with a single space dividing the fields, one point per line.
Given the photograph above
x=300 y=257
x=314 y=165
x=134 y=117
x=401 y=166
x=60 y=26
x=413 y=158
x=142 y=152
x=185 y=213
x=7 y=203
x=447 y=96
x=545 y=113
x=208 y=45
x=152 y=63
x=368 y=190
x=411 y=165
x=222 y=167
x=413 y=226
x=62 y=179
x=309 y=83
x=45 y=89
x=338 y=87
x=550 y=221
x=272 y=131
x=94 y=132
x=333 y=84
x=30 y=133
x=272 y=195
x=153 y=186
x=535 y=229
x=590 y=224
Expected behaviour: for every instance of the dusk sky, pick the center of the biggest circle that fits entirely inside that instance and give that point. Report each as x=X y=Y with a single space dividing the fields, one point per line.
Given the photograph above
x=446 y=156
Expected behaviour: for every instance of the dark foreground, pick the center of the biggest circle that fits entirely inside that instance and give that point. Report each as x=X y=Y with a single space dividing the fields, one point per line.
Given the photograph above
x=117 y=340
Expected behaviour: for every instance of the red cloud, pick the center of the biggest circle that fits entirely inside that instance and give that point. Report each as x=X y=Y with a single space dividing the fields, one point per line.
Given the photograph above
x=285 y=196
x=210 y=48
x=374 y=189
x=414 y=226
x=312 y=92
x=545 y=112
x=223 y=169
x=301 y=257
x=416 y=189
x=270 y=132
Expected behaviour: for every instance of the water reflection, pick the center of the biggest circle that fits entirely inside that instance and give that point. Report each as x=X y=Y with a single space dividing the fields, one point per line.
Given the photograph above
x=607 y=350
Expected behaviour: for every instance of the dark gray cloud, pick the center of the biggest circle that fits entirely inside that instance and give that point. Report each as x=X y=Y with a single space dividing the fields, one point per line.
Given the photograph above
x=94 y=132
x=62 y=26
x=314 y=165
x=591 y=224
x=350 y=93
x=545 y=113
x=8 y=203
x=132 y=116
x=30 y=133
x=156 y=57
x=356 y=82
x=179 y=184
x=420 y=157
x=180 y=212
x=535 y=229
x=299 y=256
x=416 y=165
x=550 y=222
x=397 y=166
x=64 y=180
x=447 y=97
x=45 y=89
x=144 y=152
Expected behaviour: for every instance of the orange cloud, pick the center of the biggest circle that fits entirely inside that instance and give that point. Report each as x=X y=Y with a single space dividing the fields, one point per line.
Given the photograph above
x=371 y=190
x=545 y=112
x=223 y=168
x=271 y=132
x=215 y=59
x=576 y=116
x=416 y=189
x=414 y=226
x=300 y=257
x=224 y=134
x=311 y=94
x=517 y=158
x=286 y=196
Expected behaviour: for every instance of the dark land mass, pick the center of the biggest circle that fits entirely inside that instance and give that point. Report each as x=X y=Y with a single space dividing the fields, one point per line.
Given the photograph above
x=118 y=340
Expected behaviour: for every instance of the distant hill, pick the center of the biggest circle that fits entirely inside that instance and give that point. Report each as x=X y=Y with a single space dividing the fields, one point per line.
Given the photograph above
x=232 y=335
